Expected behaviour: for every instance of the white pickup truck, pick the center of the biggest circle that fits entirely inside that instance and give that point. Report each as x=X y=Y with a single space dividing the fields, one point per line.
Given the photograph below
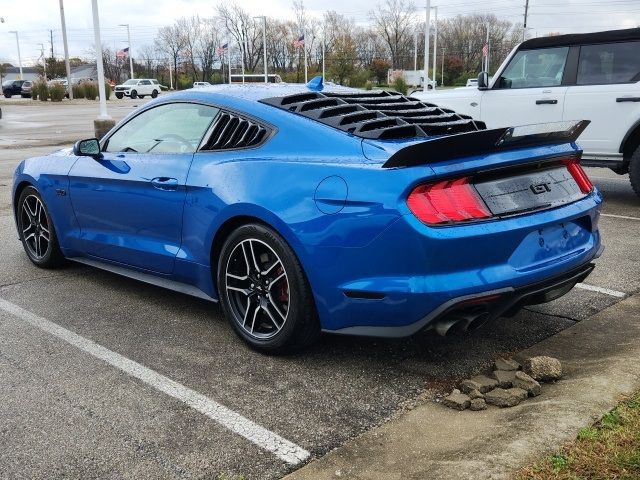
x=592 y=76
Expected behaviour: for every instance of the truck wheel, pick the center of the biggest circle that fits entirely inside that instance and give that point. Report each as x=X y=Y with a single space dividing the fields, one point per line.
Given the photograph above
x=634 y=171
x=134 y=94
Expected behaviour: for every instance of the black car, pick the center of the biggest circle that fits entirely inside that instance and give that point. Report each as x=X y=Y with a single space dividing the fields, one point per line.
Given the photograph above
x=12 y=87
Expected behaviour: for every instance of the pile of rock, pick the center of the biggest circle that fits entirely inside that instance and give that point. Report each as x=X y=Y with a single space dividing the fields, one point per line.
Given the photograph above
x=507 y=386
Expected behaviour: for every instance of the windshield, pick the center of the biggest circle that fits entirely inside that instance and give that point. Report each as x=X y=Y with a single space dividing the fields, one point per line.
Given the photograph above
x=131 y=82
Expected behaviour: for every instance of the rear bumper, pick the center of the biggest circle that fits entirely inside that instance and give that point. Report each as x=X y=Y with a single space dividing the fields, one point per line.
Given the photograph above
x=502 y=302
x=410 y=274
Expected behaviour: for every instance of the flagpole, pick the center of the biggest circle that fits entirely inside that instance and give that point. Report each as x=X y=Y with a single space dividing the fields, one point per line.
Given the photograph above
x=229 y=59
x=323 y=75
x=304 y=45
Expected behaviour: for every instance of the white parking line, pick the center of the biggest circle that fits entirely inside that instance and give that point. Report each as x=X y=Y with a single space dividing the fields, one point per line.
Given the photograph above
x=265 y=439
x=606 y=291
x=625 y=217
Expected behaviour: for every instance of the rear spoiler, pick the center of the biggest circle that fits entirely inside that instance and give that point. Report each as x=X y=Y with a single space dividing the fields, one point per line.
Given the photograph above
x=486 y=141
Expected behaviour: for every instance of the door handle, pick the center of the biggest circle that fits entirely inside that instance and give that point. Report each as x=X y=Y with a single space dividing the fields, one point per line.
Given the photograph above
x=627 y=99
x=165 y=183
x=547 y=102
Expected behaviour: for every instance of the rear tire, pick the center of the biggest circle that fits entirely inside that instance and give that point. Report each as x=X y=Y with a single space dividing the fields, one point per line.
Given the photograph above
x=134 y=94
x=154 y=94
x=264 y=292
x=634 y=171
x=36 y=230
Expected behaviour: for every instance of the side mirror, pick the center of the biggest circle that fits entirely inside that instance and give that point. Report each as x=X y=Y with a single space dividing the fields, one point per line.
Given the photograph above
x=483 y=81
x=87 y=148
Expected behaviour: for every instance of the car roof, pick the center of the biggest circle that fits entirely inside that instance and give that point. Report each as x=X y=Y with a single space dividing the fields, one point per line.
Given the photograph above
x=581 y=38
x=260 y=91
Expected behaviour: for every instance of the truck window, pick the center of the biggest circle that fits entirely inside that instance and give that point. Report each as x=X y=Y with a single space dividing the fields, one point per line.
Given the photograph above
x=609 y=63
x=534 y=68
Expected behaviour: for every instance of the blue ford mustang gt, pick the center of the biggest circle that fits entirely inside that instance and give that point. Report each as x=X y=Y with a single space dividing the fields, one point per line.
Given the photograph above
x=309 y=208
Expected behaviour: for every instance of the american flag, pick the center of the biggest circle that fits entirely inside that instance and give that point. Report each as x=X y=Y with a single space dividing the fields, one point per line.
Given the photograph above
x=222 y=49
x=299 y=42
x=122 y=53
x=485 y=50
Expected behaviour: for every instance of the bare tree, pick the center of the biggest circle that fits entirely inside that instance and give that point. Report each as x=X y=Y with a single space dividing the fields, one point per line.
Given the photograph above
x=171 y=42
x=394 y=22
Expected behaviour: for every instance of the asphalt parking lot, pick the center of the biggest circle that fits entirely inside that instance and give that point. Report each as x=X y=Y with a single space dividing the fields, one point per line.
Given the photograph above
x=103 y=376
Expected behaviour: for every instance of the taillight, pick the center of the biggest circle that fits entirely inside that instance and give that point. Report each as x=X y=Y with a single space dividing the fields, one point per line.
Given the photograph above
x=579 y=175
x=447 y=201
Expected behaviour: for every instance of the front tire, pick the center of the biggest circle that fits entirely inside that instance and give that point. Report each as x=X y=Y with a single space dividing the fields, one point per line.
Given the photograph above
x=134 y=94
x=7 y=94
x=119 y=96
x=634 y=171
x=36 y=230
x=264 y=292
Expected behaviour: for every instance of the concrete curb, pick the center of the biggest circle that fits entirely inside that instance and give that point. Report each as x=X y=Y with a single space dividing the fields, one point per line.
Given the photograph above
x=600 y=357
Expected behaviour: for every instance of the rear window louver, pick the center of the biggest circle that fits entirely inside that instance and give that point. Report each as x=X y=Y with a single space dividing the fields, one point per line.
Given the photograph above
x=377 y=115
x=232 y=131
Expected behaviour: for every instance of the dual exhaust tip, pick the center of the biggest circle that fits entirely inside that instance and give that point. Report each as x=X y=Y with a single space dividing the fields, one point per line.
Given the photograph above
x=461 y=323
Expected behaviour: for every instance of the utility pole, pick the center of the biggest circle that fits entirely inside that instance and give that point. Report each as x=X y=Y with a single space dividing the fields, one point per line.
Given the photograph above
x=427 y=20
x=129 y=42
x=323 y=39
x=19 y=57
x=435 y=47
x=51 y=37
x=66 y=51
x=526 y=13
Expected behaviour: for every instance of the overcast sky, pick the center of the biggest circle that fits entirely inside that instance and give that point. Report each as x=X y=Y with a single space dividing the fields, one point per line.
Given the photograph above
x=33 y=19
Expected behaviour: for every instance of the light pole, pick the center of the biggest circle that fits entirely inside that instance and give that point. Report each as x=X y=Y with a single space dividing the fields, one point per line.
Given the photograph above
x=96 y=31
x=435 y=46
x=129 y=41
x=426 y=44
x=264 y=46
x=19 y=57
x=66 y=50
x=44 y=60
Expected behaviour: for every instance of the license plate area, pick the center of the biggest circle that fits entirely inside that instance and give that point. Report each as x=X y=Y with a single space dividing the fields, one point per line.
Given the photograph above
x=529 y=191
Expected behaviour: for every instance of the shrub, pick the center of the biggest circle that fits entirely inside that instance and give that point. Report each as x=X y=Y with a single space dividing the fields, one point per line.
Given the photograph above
x=399 y=85
x=90 y=90
x=57 y=92
x=107 y=90
x=368 y=85
x=78 y=90
x=39 y=89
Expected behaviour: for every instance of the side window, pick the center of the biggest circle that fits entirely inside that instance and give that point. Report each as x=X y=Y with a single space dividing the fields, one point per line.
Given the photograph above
x=168 y=128
x=609 y=63
x=145 y=82
x=535 y=68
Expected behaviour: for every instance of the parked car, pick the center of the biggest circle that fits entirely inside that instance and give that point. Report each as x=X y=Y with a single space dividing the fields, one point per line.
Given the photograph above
x=261 y=198
x=25 y=91
x=201 y=84
x=594 y=76
x=12 y=87
x=139 y=87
